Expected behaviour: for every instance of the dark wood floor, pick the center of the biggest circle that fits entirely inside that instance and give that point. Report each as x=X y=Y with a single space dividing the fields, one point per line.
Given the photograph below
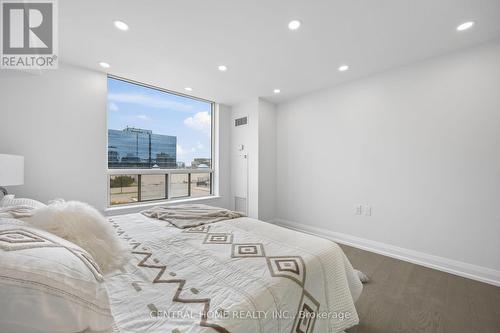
x=403 y=298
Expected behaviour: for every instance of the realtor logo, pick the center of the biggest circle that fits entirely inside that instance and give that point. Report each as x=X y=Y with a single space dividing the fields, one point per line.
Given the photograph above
x=29 y=34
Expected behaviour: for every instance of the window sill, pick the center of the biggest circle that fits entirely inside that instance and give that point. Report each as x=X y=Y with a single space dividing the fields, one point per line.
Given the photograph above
x=126 y=209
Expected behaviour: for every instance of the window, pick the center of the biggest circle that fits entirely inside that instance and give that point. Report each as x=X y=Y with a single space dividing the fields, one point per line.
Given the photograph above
x=180 y=185
x=160 y=144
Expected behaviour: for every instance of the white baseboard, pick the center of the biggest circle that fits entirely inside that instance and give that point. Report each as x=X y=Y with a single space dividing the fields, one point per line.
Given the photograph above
x=479 y=273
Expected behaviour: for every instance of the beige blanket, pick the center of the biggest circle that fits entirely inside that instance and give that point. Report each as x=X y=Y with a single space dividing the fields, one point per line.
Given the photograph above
x=190 y=215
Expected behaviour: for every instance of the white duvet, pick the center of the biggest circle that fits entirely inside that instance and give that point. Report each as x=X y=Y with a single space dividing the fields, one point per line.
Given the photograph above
x=240 y=276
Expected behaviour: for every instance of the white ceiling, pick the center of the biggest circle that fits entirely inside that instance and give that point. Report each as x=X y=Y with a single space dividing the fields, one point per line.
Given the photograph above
x=178 y=43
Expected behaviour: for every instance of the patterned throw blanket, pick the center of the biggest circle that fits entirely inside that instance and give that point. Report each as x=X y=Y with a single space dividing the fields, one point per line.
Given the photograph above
x=239 y=276
x=187 y=216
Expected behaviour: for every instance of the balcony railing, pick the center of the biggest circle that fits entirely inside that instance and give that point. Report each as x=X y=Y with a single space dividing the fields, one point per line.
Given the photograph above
x=139 y=185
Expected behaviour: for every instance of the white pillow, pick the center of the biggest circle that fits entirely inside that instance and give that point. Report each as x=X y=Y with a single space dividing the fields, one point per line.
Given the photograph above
x=83 y=225
x=10 y=200
x=48 y=284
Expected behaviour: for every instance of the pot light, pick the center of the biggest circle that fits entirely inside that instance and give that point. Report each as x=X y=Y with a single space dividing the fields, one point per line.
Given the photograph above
x=104 y=64
x=294 y=24
x=222 y=68
x=120 y=25
x=188 y=89
x=343 y=68
x=465 y=26
x=276 y=91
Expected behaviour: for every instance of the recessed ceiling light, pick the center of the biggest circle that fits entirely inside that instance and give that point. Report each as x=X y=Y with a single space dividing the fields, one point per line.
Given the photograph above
x=188 y=89
x=276 y=91
x=465 y=26
x=121 y=25
x=222 y=68
x=343 y=68
x=104 y=64
x=294 y=24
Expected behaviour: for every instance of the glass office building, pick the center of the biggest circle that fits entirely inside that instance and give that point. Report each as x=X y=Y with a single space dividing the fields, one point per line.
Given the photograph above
x=140 y=148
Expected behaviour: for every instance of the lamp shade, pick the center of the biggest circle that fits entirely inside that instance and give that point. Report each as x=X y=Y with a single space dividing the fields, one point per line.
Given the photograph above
x=11 y=170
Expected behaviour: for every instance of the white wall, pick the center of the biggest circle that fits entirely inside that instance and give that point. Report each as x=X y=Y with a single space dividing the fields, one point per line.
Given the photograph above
x=419 y=143
x=223 y=167
x=253 y=177
x=245 y=171
x=57 y=120
x=267 y=160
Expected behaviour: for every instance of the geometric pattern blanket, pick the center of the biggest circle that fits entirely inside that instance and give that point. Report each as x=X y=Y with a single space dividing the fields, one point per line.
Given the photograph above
x=240 y=275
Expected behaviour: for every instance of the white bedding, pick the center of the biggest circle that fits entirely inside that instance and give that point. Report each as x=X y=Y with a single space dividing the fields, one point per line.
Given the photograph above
x=240 y=276
x=48 y=284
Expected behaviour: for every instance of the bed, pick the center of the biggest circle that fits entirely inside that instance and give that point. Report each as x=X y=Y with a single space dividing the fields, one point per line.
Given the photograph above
x=240 y=275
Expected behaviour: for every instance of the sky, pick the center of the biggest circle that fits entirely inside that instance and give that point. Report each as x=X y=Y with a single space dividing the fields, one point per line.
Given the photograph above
x=163 y=113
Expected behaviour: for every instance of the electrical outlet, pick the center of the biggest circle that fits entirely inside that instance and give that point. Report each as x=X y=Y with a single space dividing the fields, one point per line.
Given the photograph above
x=368 y=210
x=358 y=209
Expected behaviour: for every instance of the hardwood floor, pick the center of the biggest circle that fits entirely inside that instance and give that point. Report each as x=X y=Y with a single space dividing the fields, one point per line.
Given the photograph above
x=405 y=298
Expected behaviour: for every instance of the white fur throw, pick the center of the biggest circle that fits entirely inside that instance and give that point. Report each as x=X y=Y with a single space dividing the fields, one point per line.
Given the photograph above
x=83 y=225
x=362 y=276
